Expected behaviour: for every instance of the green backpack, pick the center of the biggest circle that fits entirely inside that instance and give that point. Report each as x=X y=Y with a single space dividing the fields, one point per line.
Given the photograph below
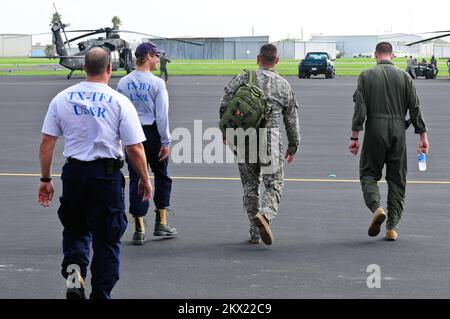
x=247 y=108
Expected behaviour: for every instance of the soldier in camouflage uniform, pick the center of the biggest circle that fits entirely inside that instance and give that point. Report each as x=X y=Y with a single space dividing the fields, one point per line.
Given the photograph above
x=448 y=65
x=383 y=97
x=281 y=103
x=434 y=64
x=410 y=67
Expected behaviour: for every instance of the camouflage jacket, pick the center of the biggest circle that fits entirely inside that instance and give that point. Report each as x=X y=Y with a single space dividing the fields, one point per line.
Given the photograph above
x=280 y=101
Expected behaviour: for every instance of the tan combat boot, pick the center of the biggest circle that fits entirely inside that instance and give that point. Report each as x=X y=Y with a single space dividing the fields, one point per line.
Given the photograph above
x=254 y=234
x=161 y=227
x=262 y=223
x=379 y=216
x=391 y=235
x=139 y=231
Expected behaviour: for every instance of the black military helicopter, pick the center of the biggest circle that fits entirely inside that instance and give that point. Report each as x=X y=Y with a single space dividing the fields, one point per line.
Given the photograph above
x=121 y=54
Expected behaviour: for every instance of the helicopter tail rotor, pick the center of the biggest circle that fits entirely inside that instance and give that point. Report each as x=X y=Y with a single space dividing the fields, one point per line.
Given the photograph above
x=61 y=25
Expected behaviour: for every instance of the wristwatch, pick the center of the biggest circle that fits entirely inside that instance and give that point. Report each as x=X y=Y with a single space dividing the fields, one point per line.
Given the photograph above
x=46 y=179
x=354 y=138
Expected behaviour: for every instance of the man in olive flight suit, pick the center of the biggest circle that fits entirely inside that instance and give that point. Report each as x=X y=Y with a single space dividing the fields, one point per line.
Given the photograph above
x=163 y=60
x=382 y=99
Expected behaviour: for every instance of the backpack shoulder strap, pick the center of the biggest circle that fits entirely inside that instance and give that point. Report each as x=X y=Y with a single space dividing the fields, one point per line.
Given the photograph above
x=251 y=77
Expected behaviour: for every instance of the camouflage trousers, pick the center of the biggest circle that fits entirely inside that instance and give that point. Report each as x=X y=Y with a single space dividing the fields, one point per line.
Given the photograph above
x=273 y=187
x=411 y=71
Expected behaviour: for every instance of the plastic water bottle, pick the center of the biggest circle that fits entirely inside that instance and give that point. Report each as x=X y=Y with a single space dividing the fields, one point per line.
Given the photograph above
x=422 y=161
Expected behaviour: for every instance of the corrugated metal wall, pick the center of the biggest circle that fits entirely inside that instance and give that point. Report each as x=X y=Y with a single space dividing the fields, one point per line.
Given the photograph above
x=286 y=49
x=294 y=50
x=15 y=45
x=441 y=51
x=351 y=45
x=236 y=48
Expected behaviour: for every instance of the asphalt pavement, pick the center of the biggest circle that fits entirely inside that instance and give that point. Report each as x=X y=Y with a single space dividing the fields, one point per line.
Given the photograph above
x=321 y=248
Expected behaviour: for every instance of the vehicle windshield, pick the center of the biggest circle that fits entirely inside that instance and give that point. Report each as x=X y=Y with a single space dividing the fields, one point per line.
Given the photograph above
x=317 y=56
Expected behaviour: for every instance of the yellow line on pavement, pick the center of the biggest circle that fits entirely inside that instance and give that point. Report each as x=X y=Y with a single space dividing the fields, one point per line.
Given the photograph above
x=209 y=178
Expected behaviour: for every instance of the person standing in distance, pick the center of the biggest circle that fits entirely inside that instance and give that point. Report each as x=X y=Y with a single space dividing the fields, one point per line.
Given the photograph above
x=163 y=60
x=448 y=66
x=434 y=64
x=95 y=121
x=410 y=67
x=149 y=95
x=383 y=97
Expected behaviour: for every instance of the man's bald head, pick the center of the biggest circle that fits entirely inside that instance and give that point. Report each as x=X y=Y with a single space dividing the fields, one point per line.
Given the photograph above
x=96 y=61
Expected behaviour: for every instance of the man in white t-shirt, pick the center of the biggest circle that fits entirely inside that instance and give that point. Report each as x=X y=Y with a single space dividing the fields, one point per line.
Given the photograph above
x=149 y=96
x=95 y=121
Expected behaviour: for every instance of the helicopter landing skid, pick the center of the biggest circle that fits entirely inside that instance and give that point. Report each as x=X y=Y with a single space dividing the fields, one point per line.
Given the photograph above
x=69 y=76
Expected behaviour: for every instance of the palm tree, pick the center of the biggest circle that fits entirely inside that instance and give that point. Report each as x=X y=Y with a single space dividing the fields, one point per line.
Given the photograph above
x=116 y=22
x=56 y=18
x=49 y=50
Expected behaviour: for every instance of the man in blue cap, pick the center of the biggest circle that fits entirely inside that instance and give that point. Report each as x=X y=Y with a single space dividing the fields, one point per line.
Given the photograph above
x=149 y=95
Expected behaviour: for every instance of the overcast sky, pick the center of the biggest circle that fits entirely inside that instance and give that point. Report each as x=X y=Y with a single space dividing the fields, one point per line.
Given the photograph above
x=277 y=18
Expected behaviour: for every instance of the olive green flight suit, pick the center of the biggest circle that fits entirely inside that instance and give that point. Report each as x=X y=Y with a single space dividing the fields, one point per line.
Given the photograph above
x=382 y=99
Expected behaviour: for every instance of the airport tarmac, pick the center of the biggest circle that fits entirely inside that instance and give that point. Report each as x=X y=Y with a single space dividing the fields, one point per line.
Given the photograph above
x=321 y=248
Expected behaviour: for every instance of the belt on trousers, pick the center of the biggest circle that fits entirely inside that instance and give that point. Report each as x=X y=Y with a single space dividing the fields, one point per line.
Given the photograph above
x=385 y=116
x=109 y=163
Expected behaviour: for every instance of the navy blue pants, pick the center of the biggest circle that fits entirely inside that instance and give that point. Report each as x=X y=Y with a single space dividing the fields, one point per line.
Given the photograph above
x=163 y=183
x=92 y=211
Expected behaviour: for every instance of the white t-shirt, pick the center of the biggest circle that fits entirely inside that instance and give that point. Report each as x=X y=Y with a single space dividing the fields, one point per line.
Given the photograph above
x=95 y=120
x=148 y=93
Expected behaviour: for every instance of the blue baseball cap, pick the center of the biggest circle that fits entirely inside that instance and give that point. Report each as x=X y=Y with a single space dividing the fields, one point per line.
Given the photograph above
x=145 y=48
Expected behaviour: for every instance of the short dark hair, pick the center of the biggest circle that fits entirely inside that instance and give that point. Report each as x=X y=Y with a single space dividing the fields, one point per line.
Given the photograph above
x=96 y=61
x=268 y=53
x=384 y=48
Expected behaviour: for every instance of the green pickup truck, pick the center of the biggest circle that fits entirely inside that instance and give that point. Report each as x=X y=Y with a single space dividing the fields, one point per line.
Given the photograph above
x=316 y=63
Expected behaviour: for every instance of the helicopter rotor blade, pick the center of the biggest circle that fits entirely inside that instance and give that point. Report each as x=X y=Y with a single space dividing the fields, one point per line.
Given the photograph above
x=85 y=35
x=428 y=39
x=108 y=30
x=61 y=24
x=42 y=33
x=59 y=57
x=436 y=32
x=158 y=37
x=17 y=36
x=82 y=30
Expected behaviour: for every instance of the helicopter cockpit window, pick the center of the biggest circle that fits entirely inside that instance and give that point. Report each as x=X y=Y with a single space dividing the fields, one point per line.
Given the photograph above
x=111 y=47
